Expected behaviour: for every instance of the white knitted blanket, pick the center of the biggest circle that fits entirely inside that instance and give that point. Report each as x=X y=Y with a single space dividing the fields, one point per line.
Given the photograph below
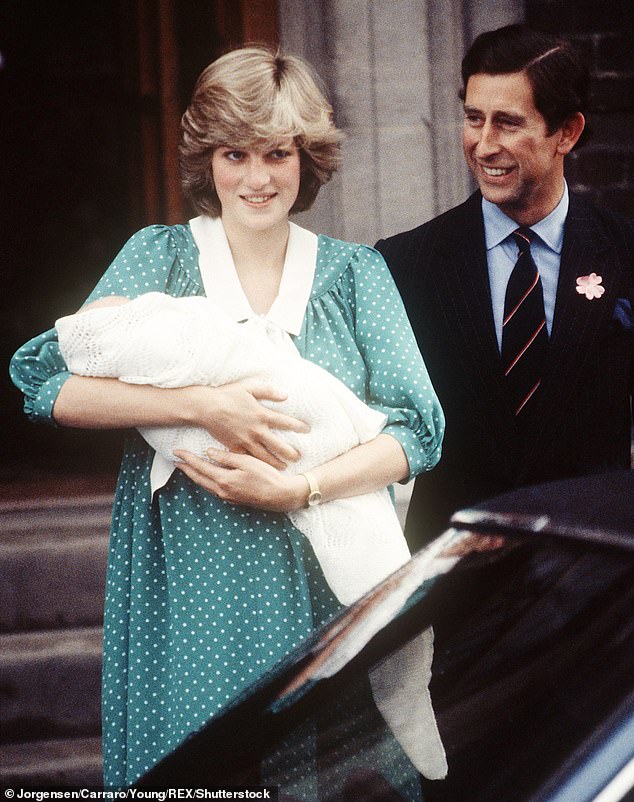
x=173 y=342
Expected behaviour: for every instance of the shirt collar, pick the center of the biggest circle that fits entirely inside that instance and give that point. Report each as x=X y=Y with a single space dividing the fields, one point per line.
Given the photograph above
x=221 y=281
x=498 y=226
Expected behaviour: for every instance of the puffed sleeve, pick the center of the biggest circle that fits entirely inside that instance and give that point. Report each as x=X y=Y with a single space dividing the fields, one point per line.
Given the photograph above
x=38 y=371
x=144 y=264
x=398 y=381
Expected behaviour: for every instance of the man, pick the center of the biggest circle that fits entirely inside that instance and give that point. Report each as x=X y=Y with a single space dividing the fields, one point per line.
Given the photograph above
x=533 y=364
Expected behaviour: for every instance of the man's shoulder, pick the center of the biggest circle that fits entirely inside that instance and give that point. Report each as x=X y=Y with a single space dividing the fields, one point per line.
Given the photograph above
x=442 y=228
x=610 y=221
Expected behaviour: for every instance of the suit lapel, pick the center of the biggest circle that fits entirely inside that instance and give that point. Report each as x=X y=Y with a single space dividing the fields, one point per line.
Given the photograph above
x=464 y=284
x=578 y=320
x=467 y=282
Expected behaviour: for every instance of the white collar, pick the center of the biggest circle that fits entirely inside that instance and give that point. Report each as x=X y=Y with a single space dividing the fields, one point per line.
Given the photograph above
x=221 y=281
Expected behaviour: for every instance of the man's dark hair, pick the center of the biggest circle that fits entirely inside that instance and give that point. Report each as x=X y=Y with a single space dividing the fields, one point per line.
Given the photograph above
x=557 y=72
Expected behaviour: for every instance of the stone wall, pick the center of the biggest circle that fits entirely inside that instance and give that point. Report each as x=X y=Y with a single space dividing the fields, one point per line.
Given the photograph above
x=393 y=73
x=603 y=168
x=373 y=56
x=392 y=68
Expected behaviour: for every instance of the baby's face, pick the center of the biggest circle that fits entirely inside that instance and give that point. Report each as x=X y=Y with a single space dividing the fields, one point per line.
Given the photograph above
x=111 y=300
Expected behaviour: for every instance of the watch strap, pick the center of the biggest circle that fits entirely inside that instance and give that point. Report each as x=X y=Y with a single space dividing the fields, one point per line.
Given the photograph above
x=314 y=493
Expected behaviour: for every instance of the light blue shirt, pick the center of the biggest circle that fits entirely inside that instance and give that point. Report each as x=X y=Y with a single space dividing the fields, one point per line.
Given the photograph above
x=502 y=251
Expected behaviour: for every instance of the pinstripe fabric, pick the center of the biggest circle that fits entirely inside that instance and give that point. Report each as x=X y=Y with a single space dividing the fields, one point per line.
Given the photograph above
x=580 y=420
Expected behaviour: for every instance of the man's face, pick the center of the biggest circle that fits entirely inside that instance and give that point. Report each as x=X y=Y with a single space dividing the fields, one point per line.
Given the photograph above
x=516 y=163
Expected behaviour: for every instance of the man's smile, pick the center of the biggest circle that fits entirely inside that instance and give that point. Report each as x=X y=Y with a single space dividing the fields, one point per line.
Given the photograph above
x=494 y=172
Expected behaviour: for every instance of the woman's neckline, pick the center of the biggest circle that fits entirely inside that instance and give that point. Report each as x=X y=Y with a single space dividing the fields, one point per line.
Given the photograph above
x=259 y=259
x=220 y=279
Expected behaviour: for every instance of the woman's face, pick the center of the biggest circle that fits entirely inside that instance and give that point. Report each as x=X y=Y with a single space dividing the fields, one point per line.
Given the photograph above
x=256 y=188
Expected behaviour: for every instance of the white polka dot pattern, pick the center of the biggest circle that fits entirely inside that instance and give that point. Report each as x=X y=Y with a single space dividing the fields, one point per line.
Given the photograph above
x=203 y=596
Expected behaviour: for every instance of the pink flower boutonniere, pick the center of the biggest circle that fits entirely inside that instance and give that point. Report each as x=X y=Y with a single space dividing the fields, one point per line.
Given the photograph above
x=590 y=286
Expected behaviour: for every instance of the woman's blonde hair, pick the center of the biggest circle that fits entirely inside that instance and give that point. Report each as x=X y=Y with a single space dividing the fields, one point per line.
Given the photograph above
x=256 y=97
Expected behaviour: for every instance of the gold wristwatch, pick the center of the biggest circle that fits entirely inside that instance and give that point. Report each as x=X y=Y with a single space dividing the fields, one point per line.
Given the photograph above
x=314 y=493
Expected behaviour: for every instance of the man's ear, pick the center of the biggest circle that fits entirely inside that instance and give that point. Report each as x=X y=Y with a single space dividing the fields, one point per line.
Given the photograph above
x=570 y=132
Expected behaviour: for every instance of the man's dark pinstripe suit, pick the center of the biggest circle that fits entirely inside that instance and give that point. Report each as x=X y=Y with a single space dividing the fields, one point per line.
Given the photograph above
x=582 y=421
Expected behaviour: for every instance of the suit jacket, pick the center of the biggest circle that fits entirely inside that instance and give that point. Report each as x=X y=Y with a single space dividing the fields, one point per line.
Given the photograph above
x=581 y=423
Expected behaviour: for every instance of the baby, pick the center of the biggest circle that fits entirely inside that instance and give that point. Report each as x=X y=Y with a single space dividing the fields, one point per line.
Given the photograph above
x=174 y=342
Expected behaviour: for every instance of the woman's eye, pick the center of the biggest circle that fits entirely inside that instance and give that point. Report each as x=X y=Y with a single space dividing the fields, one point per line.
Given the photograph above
x=280 y=153
x=234 y=155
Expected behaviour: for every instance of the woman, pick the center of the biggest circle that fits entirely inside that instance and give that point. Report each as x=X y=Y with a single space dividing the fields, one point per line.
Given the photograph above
x=210 y=584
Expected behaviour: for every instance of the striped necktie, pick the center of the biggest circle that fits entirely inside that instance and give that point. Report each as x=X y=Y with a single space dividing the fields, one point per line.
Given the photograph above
x=524 y=333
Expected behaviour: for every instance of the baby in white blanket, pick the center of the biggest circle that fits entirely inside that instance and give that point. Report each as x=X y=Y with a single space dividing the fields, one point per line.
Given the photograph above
x=174 y=342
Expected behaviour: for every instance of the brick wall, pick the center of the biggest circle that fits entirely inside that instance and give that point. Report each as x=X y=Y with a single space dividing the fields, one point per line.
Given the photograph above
x=603 y=168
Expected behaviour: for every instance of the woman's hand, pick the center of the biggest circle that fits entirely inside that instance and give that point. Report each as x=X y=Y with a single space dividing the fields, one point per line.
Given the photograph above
x=243 y=479
x=234 y=415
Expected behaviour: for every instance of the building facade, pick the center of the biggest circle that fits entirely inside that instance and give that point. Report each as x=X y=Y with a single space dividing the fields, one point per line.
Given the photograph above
x=92 y=95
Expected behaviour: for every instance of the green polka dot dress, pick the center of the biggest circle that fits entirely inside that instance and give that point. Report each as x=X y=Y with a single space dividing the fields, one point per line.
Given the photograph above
x=203 y=596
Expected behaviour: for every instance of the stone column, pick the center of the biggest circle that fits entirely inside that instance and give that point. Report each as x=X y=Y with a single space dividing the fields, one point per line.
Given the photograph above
x=392 y=68
x=374 y=57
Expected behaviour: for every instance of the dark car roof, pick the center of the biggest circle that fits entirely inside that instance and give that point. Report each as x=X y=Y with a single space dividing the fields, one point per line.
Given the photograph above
x=598 y=508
